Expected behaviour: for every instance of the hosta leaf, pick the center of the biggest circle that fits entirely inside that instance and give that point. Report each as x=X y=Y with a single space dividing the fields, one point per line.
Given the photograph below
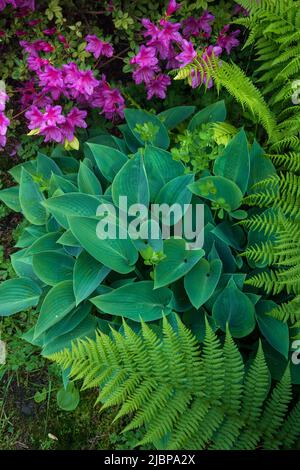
x=68 y=239
x=71 y=204
x=201 y=282
x=275 y=331
x=10 y=197
x=88 y=274
x=46 y=166
x=261 y=167
x=220 y=190
x=47 y=242
x=178 y=261
x=17 y=170
x=137 y=301
x=138 y=116
x=31 y=199
x=160 y=169
x=108 y=160
x=175 y=191
x=87 y=181
x=132 y=182
x=215 y=112
x=58 y=182
x=118 y=254
x=235 y=308
x=234 y=163
x=52 y=267
x=174 y=116
x=59 y=301
x=17 y=295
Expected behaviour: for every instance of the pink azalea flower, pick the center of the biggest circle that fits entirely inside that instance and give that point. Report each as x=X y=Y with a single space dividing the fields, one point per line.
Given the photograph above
x=36 y=63
x=158 y=86
x=75 y=118
x=205 y=22
x=35 y=117
x=86 y=83
x=151 y=29
x=4 y=123
x=172 y=7
x=52 y=80
x=63 y=40
x=20 y=33
x=239 y=10
x=144 y=74
x=191 y=27
x=50 y=31
x=227 y=40
x=53 y=116
x=52 y=133
x=3 y=99
x=98 y=47
x=146 y=57
x=188 y=53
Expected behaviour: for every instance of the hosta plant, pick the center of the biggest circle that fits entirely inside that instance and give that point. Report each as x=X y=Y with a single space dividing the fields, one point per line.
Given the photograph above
x=78 y=281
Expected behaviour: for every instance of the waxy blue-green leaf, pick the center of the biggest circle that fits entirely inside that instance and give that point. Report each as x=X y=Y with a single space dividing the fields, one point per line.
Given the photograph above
x=131 y=142
x=47 y=242
x=72 y=204
x=132 y=182
x=261 y=167
x=178 y=262
x=17 y=295
x=234 y=163
x=215 y=112
x=138 y=116
x=137 y=301
x=69 y=399
x=219 y=190
x=10 y=197
x=109 y=160
x=59 y=182
x=234 y=308
x=30 y=200
x=175 y=191
x=59 y=301
x=275 y=331
x=52 y=267
x=160 y=168
x=88 y=274
x=201 y=282
x=46 y=167
x=87 y=181
x=118 y=254
x=17 y=170
x=22 y=265
x=68 y=239
x=173 y=116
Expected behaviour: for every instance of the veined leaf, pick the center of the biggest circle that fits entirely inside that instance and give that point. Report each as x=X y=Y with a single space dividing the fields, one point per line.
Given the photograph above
x=88 y=274
x=17 y=295
x=30 y=200
x=52 y=267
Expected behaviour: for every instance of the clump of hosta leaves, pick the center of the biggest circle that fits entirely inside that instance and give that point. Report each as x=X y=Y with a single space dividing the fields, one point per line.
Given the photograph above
x=197 y=148
x=79 y=282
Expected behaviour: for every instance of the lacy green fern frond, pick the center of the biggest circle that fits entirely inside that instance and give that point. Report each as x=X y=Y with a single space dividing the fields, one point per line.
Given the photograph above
x=183 y=397
x=288 y=161
x=289 y=311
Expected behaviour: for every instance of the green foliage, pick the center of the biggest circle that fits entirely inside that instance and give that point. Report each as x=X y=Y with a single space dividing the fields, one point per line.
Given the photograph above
x=184 y=399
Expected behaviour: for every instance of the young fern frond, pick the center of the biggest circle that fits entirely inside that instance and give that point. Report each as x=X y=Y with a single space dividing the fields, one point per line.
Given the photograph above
x=181 y=396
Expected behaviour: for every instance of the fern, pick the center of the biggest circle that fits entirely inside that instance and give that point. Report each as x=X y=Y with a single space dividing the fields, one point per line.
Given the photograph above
x=181 y=396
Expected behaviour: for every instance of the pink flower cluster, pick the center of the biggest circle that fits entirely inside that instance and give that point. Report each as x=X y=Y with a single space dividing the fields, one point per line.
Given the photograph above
x=4 y=121
x=21 y=4
x=168 y=45
x=52 y=86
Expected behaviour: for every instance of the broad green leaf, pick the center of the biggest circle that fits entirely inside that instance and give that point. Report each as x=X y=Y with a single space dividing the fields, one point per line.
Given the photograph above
x=131 y=181
x=58 y=182
x=68 y=239
x=138 y=116
x=46 y=166
x=72 y=204
x=87 y=182
x=17 y=170
x=59 y=301
x=118 y=254
x=215 y=112
x=17 y=295
x=47 y=242
x=30 y=200
x=234 y=163
x=160 y=169
x=132 y=143
x=175 y=191
x=220 y=190
x=22 y=265
x=52 y=267
x=178 y=262
x=137 y=301
x=260 y=166
x=195 y=320
x=234 y=308
x=10 y=197
x=201 y=282
x=275 y=331
x=174 y=116
x=232 y=235
x=66 y=164
x=88 y=274
x=108 y=160
x=69 y=399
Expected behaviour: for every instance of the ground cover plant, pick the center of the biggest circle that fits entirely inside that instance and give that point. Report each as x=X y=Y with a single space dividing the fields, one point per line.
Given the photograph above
x=184 y=323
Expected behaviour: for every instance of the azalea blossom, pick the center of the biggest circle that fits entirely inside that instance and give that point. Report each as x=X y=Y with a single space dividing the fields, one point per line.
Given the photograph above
x=172 y=7
x=227 y=40
x=4 y=123
x=98 y=47
x=188 y=53
x=158 y=86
